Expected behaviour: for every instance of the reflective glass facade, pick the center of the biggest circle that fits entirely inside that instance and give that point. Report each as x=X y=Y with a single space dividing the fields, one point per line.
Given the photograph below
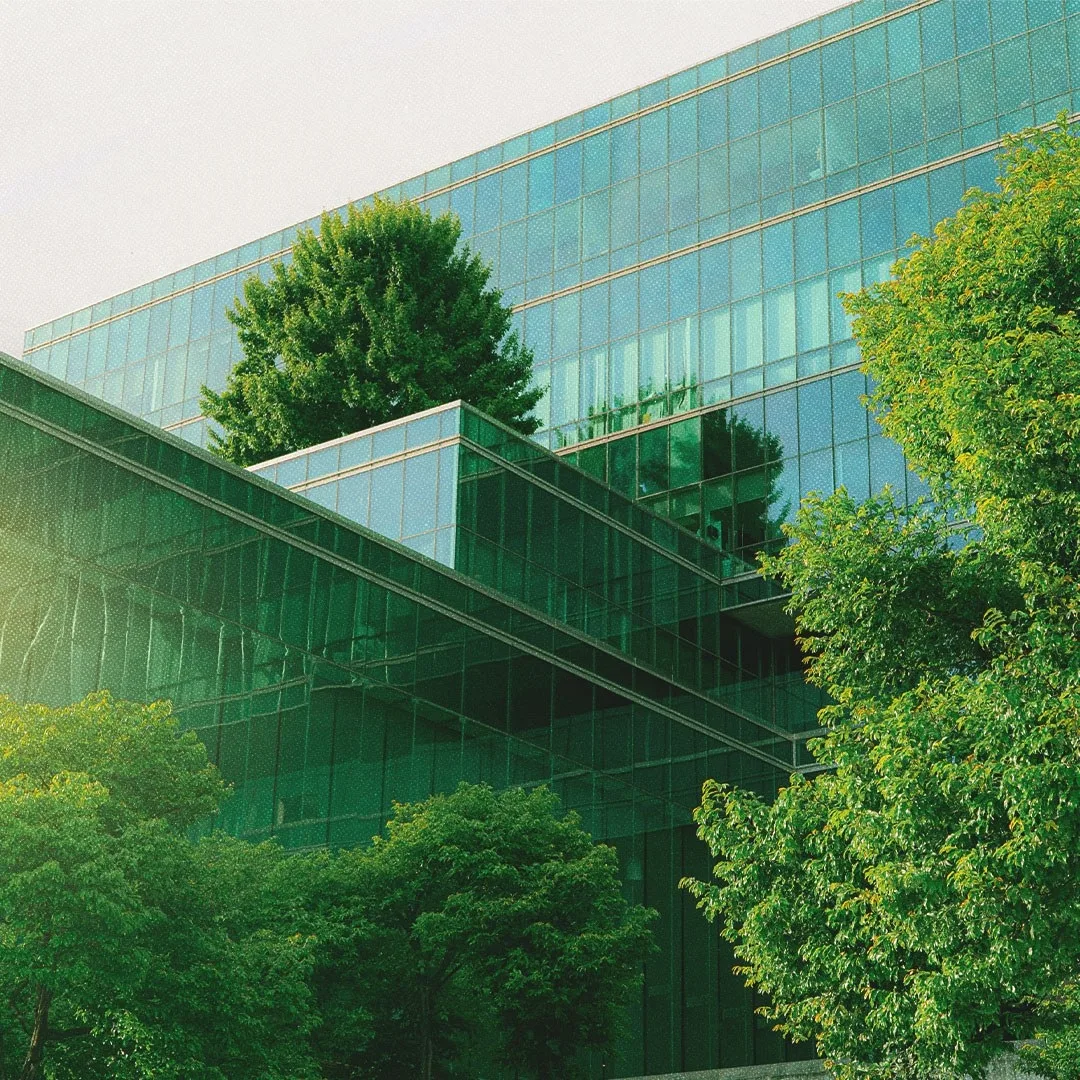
x=477 y=497
x=330 y=671
x=673 y=257
x=681 y=246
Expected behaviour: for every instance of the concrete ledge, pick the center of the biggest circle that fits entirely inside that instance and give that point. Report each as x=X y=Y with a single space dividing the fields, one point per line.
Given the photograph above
x=1005 y=1067
x=782 y=1071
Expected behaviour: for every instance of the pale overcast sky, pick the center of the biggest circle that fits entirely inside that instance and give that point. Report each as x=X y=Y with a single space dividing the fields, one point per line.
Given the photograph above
x=137 y=138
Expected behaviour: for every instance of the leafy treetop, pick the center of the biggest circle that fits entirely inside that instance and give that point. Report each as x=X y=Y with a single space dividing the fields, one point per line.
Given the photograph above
x=483 y=932
x=381 y=314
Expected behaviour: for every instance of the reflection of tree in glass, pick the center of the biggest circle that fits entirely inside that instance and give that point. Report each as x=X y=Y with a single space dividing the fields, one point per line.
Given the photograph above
x=742 y=500
x=718 y=475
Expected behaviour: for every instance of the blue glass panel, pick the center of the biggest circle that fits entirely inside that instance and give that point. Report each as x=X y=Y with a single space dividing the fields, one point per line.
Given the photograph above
x=447 y=491
x=683 y=135
x=387 y=498
x=745 y=171
x=781 y=425
x=810 y=244
x=653 y=140
x=715 y=275
x=712 y=117
x=912 y=208
x=140 y=327
x=937 y=33
x=903 y=45
x=568 y=172
x=776 y=159
x=595 y=226
x=1007 y=19
x=812 y=315
x=624 y=214
x=972 y=25
x=567 y=314
x=777 y=254
x=815 y=415
x=541 y=182
x=513 y=192
x=849 y=415
x=77 y=354
x=946 y=191
x=568 y=234
x=419 y=507
x=539 y=233
x=653 y=204
x=906 y=107
x=843 y=226
x=354 y=496
x=684 y=285
x=806 y=81
x=597 y=161
x=774 y=92
x=877 y=222
x=1013 y=75
x=512 y=253
x=713 y=182
x=462 y=200
x=683 y=192
x=745 y=265
x=743 y=106
x=159 y=328
x=870 y=59
x=1048 y=61
x=873 y=120
x=538 y=331
x=838 y=70
x=594 y=316
x=808 y=147
x=840 y=282
x=1041 y=12
x=624 y=151
x=981 y=172
x=653 y=281
x=624 y=305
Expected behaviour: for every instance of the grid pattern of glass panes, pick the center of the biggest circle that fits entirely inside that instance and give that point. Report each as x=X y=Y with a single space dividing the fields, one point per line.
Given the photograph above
x=497 y=507
x=435 y=180
x=330 y=673
x=388 y=479
x=646 y=176
x=734 y=475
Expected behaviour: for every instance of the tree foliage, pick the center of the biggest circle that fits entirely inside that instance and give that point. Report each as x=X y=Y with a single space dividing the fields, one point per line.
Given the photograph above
x=915 y=905
x=125 y=949
x=482 y=931
x=381 y=314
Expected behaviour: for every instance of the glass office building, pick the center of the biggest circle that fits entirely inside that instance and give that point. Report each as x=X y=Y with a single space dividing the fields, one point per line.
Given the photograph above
x=674 y=258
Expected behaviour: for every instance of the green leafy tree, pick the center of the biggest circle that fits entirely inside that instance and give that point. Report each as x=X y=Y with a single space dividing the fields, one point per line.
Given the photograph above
x=126 y=950
x=914 y=906
x=381 y=314
x=483 y=932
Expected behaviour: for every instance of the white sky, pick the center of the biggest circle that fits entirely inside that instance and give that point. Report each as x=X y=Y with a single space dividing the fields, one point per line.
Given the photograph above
x=140 y=137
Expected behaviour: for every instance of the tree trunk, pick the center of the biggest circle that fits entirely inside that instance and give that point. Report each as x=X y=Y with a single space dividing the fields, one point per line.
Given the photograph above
x=35 y=1053
x=426 y=1048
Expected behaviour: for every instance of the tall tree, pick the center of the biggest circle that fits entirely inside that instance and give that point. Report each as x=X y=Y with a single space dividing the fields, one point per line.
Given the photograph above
x=125 y=949
x=381 y=314
x=483 y=929
x=915 y=905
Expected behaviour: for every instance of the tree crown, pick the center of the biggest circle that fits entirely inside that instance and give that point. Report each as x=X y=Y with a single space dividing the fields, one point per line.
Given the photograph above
x=382 y=313
x=913 y=907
